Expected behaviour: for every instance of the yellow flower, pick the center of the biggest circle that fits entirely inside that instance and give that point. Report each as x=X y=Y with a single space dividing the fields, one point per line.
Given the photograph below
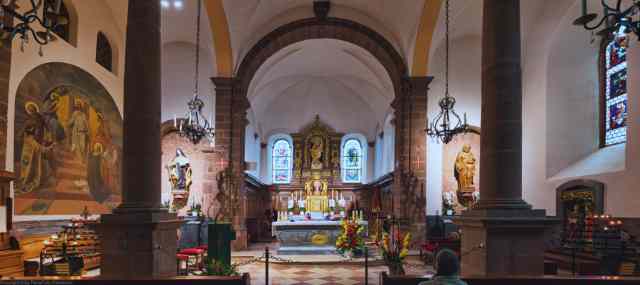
x=404 y=253
x=407 y=240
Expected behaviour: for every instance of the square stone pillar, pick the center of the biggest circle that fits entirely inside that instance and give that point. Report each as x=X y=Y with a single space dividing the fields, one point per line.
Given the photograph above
x=503 y=242
x=231 y=121
x=138 y=245
x=409 y=198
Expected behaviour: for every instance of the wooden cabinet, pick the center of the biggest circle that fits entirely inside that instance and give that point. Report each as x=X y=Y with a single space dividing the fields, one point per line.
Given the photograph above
x=11 y=264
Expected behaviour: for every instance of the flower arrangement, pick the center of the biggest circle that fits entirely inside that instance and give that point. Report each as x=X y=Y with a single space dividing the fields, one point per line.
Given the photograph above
x=350 y=241
x=394 y=248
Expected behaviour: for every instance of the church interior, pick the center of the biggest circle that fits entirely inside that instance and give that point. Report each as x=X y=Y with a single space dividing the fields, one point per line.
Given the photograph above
x=320 y=141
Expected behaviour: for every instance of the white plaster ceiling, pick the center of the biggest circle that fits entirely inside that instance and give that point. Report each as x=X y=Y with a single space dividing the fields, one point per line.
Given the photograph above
x=177 y=25
x=339 y=81
x=249 y=20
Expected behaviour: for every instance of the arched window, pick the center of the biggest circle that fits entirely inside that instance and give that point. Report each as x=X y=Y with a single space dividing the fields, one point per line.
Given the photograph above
x=60 y=21
x=104 y=54
x=352 y=158
x=281 y=161
x=613 y=111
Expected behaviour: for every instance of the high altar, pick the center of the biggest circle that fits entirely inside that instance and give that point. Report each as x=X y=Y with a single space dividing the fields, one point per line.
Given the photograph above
x=311 y=206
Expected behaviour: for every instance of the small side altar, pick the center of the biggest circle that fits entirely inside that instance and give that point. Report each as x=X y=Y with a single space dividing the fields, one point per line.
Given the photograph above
x=309 y=237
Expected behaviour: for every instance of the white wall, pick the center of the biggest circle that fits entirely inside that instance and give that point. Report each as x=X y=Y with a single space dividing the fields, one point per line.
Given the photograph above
x=560 y=117
x=465 y=85
x=560 y=103
x=178 y=74
x=252 y=151
x=92 y=16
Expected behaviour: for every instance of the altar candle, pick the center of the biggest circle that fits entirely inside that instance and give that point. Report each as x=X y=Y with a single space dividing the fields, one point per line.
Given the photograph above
x=175 y=121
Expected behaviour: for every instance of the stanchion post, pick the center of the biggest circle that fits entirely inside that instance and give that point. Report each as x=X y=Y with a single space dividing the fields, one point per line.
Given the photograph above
x=266 y=265
x=366 y=265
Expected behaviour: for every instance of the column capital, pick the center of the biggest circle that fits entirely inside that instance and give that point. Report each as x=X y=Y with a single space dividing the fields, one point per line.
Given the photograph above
x=224 y=83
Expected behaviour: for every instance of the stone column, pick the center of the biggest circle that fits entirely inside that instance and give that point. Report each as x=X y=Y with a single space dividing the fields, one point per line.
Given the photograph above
x=231 y=121
x=502 y=236
x=409 y=175
x=5 y=75
x=139 y=238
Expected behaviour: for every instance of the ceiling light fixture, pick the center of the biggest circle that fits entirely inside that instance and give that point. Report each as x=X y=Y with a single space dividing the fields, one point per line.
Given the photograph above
x=197 y=126
x=442 y=127
x=46 y=13
x=178 y=4
x=615 y=19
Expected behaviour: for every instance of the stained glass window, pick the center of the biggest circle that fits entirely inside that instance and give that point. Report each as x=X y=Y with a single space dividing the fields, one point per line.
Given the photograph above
x=281 y=162
x=352 y=161
x=615 y=92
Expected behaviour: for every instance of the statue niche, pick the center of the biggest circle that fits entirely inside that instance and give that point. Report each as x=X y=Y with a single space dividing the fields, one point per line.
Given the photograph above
x=316 y=148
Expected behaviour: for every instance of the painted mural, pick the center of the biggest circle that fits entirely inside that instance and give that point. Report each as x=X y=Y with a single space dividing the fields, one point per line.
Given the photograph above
x=67 y=144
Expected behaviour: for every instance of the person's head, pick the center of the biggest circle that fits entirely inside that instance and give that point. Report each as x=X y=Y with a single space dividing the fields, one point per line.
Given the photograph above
x=447 y=263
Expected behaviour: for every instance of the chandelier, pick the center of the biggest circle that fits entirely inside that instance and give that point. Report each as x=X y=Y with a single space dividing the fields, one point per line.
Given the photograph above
x=195 y=126
x=615 y=19
x=49 y=20
x=447 y=123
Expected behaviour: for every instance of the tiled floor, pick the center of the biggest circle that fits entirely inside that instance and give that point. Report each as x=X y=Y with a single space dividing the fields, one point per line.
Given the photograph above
x=322 y=273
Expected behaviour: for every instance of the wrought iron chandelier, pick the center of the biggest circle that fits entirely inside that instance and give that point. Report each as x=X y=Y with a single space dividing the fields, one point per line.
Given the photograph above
x=447 y=123
x=616 y=19
x=43 y=12
x=195 y=126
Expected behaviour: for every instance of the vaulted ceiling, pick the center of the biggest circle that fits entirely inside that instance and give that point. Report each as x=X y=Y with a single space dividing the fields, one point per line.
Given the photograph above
x=341 y=82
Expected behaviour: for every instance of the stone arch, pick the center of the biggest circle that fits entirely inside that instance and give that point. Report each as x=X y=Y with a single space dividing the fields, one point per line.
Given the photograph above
x=317 y=28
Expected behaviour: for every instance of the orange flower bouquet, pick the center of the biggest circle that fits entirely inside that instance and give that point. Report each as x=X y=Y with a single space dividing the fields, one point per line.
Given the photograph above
x=350 y=241
x=394 y=248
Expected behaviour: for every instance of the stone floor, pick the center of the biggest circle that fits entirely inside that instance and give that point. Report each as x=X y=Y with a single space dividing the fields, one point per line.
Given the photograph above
x=322 y=274
x=315 y=269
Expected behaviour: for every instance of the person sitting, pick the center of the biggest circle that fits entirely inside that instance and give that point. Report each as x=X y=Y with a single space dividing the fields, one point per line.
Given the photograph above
x=448 y=269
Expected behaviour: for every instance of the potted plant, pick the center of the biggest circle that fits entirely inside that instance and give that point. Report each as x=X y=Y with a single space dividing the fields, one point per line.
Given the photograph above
x=350 y=243
x=394 y=248
x=218 y=268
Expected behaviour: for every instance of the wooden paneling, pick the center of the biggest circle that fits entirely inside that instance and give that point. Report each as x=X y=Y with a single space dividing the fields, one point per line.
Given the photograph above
x=11 y=263
x=32 y=246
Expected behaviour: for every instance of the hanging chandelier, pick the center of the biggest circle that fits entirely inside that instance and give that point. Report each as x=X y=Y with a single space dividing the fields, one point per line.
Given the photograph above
x=49 y=19
x=447 y=123
x=616 y=19
x=195 y=126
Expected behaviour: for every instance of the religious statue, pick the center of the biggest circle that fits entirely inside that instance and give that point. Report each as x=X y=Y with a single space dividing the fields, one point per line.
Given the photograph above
x=317 y=197
x=316 y=151
x=465 y=169
x=180 y=178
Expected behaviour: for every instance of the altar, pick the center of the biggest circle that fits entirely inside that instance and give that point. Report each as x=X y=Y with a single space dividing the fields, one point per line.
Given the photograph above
x=309 y=237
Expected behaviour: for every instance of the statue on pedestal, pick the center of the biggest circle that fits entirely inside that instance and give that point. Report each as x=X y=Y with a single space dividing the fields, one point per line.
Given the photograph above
x=180 y=178
x=464 y=171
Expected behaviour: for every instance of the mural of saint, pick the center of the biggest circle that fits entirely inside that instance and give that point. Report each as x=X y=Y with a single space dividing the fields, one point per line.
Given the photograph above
x=79 y=126
x=68 y=147
x=33 y=155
